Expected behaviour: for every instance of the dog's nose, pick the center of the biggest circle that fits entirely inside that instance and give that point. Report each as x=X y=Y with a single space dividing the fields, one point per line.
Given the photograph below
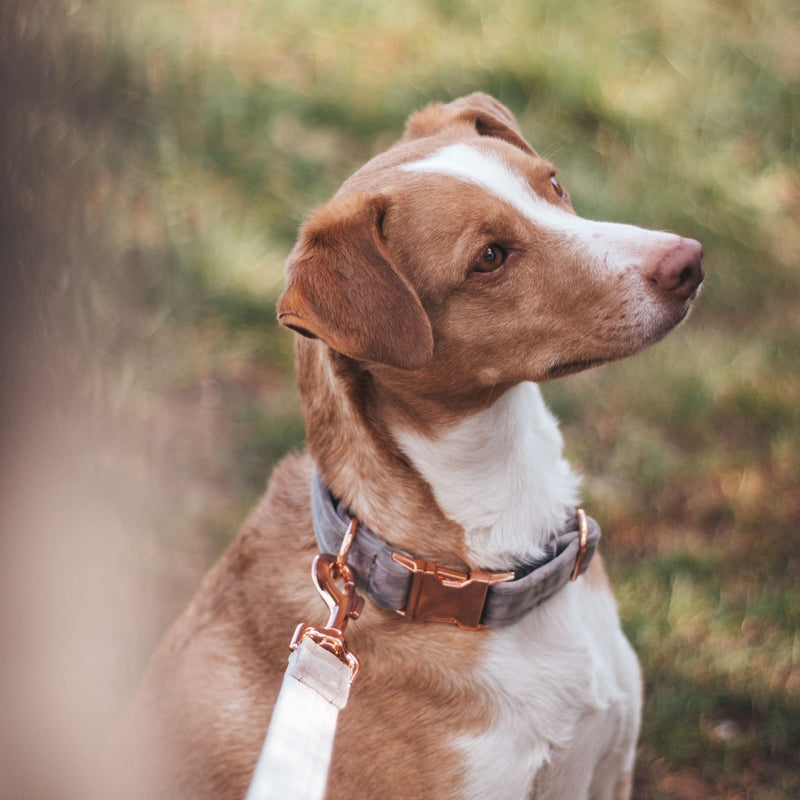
x=680 y=272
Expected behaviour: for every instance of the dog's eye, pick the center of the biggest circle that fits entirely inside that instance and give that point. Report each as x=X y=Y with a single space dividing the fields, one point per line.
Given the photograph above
x=491 y=259
x=560 y=191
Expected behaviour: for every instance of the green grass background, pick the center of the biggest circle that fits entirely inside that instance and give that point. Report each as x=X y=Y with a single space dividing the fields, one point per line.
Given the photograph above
x=166 y=153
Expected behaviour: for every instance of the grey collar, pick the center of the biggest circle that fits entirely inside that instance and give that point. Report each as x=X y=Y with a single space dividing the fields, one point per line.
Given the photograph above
x=419 y=589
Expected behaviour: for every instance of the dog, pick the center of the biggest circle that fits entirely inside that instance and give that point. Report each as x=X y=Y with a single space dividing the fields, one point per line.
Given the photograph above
x=444 y=281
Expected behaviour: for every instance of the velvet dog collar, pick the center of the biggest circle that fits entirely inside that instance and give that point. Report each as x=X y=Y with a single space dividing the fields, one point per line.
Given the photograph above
x=420 y=589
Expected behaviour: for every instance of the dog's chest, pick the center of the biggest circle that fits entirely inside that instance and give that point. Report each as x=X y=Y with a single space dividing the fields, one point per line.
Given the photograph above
x=558 y=692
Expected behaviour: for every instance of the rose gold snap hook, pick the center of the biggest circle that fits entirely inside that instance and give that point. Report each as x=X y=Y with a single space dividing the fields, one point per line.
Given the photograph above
x=583 y=538
x=344 y=603
x=347 y=541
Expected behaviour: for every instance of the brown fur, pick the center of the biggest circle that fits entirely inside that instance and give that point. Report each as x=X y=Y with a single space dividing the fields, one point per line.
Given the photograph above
x=206 y=701
x=477 y=112
x=329 y=299
x=401 y=331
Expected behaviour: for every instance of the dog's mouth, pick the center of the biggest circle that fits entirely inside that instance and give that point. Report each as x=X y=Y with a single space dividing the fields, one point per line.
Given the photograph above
x=571 y=367
x=559 y=370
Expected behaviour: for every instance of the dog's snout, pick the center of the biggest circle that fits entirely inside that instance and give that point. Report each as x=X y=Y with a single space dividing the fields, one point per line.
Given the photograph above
x=680 y=272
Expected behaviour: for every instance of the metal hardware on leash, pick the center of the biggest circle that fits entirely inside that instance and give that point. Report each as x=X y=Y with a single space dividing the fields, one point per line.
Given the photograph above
x=296 y=754
x=343 y=602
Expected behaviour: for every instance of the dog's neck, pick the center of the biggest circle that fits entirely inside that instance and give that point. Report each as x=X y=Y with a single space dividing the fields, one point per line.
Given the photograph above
x=501 y=475
x=484 y=489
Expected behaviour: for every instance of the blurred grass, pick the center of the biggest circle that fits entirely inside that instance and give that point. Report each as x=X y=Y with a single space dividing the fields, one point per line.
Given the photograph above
x=175 y=147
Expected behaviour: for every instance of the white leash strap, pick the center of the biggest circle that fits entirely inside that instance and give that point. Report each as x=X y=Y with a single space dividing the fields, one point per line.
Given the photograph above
x=296 y=755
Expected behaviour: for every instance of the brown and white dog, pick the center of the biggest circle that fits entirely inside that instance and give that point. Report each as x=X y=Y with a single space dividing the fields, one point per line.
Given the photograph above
x=444 y=279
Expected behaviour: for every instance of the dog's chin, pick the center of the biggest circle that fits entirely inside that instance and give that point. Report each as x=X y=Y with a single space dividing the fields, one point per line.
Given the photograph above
x=562 y=368
x=571 y=367
x=670 y=323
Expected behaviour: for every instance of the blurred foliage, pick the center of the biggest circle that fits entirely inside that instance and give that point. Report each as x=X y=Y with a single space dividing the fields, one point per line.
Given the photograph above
x=167 y=151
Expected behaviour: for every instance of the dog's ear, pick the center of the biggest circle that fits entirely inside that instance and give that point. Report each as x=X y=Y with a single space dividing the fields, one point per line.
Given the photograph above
x=489 y=117
x=343 y=288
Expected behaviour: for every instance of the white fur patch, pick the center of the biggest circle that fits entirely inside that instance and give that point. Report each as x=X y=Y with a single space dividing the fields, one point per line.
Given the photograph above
x=500 y=474
x=565 y=692
x=562 y=685
x=608 y=246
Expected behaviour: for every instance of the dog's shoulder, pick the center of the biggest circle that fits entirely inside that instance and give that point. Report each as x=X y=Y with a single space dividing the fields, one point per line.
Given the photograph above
x=284 y=511
x=209 y=687
x=274 y=544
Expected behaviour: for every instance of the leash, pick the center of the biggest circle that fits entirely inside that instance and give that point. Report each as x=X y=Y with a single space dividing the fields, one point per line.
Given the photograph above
x=296 y=754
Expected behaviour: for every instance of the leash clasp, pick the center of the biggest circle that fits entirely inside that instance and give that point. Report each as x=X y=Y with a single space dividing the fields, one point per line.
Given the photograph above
x=343 y=602
x=334 y=581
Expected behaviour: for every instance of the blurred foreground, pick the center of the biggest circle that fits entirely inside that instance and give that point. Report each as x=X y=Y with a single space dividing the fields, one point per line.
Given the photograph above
x=156 y=163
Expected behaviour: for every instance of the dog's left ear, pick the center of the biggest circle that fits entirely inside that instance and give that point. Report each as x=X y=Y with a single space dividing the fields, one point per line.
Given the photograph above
x=489 y=117
x=343 y=287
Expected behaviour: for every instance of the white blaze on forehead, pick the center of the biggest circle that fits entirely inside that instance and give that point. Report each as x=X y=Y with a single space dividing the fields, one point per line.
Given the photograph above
x=615 y=246
x=474 y=166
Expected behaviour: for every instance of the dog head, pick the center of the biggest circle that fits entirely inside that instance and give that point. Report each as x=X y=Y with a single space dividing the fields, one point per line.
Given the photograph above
x=456 y=255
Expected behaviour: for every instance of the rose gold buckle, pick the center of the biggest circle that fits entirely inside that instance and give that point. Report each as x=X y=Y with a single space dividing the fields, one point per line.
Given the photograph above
x=583 y=538
x=440 y=594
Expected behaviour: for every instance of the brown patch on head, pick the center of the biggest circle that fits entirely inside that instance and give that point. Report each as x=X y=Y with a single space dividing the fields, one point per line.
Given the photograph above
x=487 y=116
x=390 y=272
x=344 y=288
x=551 y=308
